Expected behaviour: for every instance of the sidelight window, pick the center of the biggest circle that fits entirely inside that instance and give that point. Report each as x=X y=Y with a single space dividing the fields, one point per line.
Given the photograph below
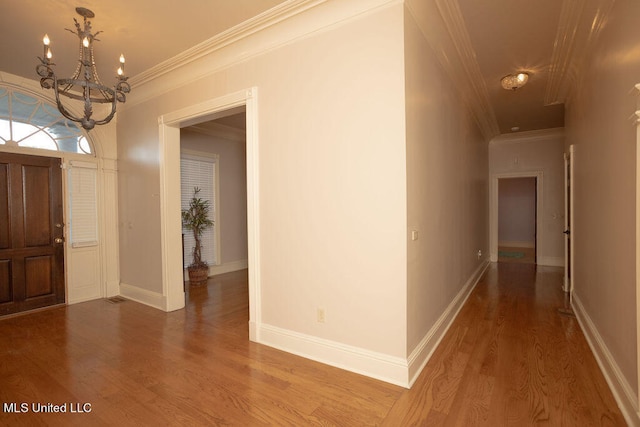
x=82 y=186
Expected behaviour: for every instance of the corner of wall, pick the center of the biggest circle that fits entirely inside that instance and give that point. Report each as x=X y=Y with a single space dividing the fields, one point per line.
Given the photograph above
x=424 y=350
x=143 y=296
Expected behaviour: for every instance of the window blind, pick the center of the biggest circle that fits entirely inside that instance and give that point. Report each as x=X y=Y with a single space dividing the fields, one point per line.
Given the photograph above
x=199 y=172
x=83 y=204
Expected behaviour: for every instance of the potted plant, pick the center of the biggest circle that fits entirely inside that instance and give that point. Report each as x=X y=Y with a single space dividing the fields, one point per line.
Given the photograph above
x=196 y=219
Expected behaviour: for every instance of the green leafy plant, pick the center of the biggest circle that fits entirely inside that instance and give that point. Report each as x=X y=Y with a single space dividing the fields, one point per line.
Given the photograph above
x=196 y=219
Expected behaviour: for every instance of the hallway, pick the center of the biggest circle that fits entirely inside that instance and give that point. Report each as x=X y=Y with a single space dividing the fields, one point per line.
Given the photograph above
x=510 y=358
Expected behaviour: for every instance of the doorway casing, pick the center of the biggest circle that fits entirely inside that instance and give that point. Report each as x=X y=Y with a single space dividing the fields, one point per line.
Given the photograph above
x=493 y=208
x=170 y=220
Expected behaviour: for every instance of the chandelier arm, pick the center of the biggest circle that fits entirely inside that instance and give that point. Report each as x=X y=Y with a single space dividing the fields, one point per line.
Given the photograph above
x=61 y=107
x=119 y=95
x=108 y=118
x=106 y=92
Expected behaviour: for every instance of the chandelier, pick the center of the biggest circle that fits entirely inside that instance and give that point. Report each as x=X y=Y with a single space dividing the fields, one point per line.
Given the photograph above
x=84 y=84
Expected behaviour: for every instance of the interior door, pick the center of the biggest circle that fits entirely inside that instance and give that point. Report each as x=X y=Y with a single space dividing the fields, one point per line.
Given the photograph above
x=31 y=233
x=568 y=208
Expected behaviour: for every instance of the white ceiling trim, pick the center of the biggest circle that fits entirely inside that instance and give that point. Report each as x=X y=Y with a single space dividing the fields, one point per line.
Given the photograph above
x=579 y=27
x=219 y=131
x=219 y=55
x=480 y=103
x=531 y=135
x=443 y=26
x=264 y=20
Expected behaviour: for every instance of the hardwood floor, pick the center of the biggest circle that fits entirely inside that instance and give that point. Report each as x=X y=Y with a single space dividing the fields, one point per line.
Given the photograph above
x=509 y=358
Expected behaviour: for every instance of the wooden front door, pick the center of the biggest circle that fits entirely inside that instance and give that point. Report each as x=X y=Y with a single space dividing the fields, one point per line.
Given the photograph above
x=31 y=233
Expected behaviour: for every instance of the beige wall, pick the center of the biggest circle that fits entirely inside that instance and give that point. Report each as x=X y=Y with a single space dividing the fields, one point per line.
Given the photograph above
x=332 y=167
x=532 y=152
x=598 y=123
x=447 y=189
x=232 y=199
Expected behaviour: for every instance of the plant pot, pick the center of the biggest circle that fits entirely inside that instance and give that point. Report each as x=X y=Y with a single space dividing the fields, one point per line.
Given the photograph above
x=198 y=275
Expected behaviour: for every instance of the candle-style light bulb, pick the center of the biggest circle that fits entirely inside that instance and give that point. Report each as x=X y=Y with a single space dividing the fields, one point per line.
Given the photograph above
x=85 y=42
x=121 y=68
x=47 y=51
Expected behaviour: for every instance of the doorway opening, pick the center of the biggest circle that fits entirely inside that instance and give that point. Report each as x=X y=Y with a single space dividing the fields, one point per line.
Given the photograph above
x=213 y=160
x=85 y=234
x=170 y=126
x=517 y=220
x=494 y=217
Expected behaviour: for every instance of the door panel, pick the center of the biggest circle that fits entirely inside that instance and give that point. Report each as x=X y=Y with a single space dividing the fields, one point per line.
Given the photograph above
x=31 y=261
x=37 y=202
x=4 y=207
x=5 y=276
x=38 y=276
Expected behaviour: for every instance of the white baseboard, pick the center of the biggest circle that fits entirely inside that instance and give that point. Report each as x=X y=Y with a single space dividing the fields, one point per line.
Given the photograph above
x=394 y=370
x=550 y=261
x=517 y=244
x=112 y=288
x=227 y=267
x=372 y=364
x=143 y=296
x=622 y=392
x=83 y=298
x=422 y=353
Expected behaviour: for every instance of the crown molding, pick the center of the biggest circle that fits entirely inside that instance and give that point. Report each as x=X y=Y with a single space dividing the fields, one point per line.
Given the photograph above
x=443 y=26
x=217 y=130
x=581 y=23
x=538 y=135
x=264 y=20
x=292 y=21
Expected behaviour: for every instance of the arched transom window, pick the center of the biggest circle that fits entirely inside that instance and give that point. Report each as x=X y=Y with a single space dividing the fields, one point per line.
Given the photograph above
x=26 y=121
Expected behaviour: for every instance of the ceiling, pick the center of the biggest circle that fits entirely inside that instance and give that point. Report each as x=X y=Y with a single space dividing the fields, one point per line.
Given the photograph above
x=511 y=36
x=147 y=32
x=492 y=38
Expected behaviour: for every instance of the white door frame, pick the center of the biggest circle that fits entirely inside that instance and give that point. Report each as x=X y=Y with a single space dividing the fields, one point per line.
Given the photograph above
x=170 y=220
x=568 y=220
x=107 y=272
x=637 y=120
x=493 y=209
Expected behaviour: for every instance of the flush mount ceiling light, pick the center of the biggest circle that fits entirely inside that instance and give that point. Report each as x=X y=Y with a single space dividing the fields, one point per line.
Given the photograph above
x=84 y=84
x=514 y=81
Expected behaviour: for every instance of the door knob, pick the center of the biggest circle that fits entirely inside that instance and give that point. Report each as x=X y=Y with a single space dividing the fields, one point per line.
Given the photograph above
x=58 y=240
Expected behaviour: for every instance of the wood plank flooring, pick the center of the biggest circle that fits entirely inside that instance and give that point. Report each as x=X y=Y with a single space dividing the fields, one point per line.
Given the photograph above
x=509 y=359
